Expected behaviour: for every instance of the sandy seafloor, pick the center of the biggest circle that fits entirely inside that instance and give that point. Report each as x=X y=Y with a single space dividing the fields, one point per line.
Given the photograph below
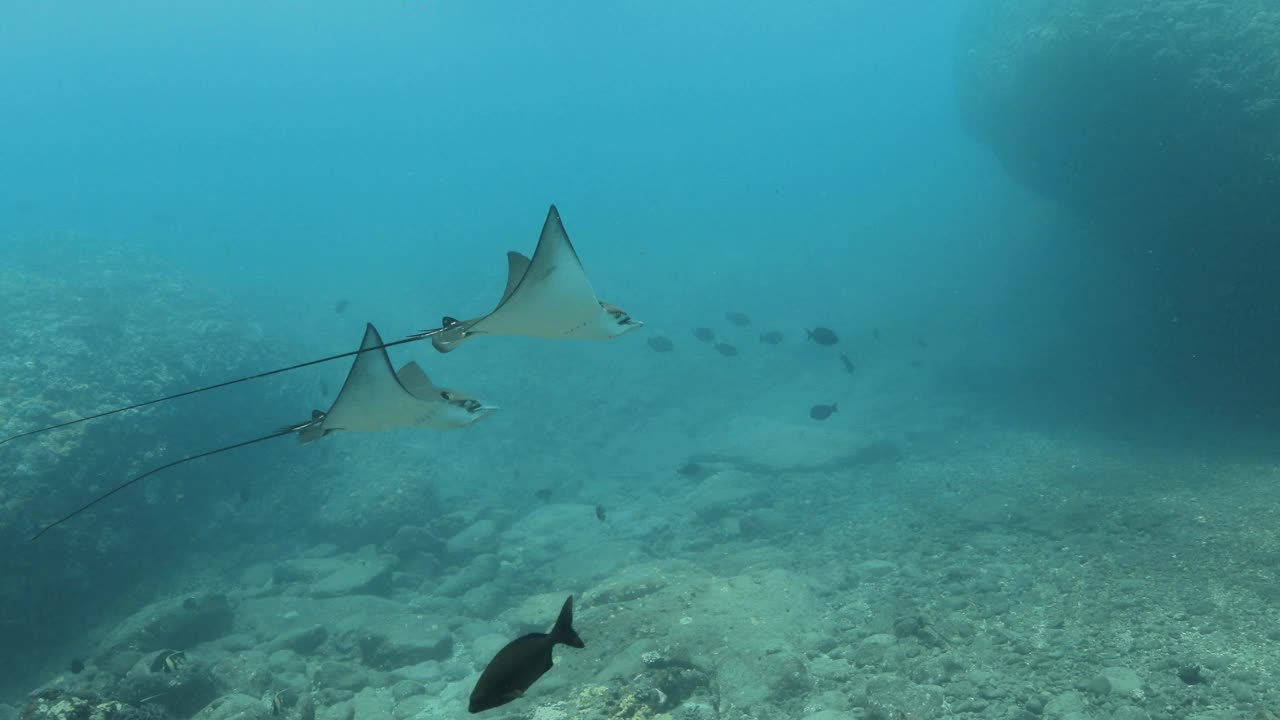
x=958 y=569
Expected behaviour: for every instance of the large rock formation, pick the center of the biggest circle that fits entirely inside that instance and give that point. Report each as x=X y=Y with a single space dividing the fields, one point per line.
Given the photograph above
x=1153 y=117
x=1158 y=123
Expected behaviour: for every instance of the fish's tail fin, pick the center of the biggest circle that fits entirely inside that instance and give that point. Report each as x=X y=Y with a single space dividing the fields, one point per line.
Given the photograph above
x=563 y=631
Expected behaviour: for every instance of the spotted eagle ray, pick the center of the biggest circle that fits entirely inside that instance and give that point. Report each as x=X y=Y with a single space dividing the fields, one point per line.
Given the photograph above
x=547 y=296
x=552 y=282
x=374 y=398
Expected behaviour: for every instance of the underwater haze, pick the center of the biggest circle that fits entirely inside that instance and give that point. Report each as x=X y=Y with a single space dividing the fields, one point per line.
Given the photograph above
x=851 y=360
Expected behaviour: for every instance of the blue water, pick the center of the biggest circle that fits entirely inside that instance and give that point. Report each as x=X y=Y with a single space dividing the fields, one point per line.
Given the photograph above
x=276 y=149
x=255 y=164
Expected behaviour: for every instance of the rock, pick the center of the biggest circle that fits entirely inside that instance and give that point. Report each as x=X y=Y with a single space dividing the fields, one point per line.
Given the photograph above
x=1122 y=681
x=1069 y=705
x=871 y=569
x=724 y=493
x=303 y=641
x=406 y=688
x=374 y=703
x=340 y=675
x=364 y=573
x=475 y=573
x=477 y=538
x=235 y=707
x=387 y=643
x=178 y=623
x=411 y=707
x=338 y=711
x=181 y=692
x=246 y=671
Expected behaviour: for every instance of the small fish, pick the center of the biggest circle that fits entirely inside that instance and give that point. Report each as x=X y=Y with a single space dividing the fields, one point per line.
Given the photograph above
x=876 y=334
x=168 y=661
x=660 y=343
x=848 y=364
x=704 y=334
x=600 y=513
x=76 y=667
x=518 y=666
x=341 y=307
x=822 y=412
x=245 y=492
x=739 y=319
x=773 y=337
x=277 y=703
x=544 y=494
x=921 y=343
x=324 y=388
x=726 y=349
x=823 y=336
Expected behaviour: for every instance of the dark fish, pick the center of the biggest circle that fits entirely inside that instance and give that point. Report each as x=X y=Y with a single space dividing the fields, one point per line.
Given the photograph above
x=848 y=364
x=739 y=319
x=600 y=514
x=341 y=307
x=691 y=468
x=519 y=665
x=76 y=666
x=921 y=343
x=245 y=491
x=773 y=337
x=660 y=343
x=876 y=333
x=822 y=412
x=704 y=334
x=823 y=336
x=544 y=494
x=726 y=349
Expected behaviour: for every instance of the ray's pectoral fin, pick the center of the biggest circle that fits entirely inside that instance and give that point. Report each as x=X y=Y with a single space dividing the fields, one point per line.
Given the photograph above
x=375 y=397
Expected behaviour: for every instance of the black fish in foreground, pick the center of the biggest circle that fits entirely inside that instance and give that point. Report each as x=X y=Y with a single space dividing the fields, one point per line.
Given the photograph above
x=823 y=336
x=519 y=665
x=660 y=343
x=773 y=337
x=739 y=319
x=726 y=349
x=822 y=412
x=704 y=334
x=848 y=364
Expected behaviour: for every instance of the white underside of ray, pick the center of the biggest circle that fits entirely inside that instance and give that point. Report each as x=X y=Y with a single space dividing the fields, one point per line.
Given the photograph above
x=374 y=398
x=552 y=297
